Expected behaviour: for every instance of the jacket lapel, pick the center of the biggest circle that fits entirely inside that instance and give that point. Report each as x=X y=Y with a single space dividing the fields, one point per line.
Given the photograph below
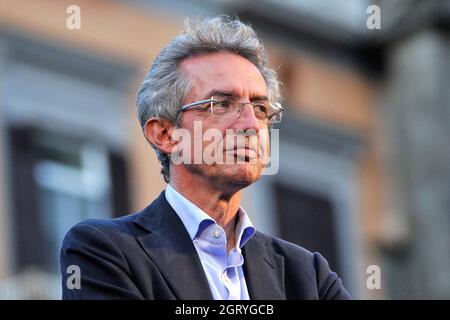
x=263 y=270
x=171 y=249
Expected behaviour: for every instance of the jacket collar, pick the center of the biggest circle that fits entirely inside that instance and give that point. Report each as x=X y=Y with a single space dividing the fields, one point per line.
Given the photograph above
x=263 y=270
x=170 y=247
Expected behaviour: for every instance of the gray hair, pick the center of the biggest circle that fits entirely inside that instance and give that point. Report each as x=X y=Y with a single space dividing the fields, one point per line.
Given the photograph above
x=164 y=88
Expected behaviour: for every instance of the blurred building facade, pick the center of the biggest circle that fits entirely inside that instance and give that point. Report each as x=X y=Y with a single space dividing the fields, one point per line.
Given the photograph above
x=364 y=163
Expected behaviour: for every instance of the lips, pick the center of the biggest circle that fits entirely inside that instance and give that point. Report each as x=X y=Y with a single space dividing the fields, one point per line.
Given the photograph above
x=246 y=147
x=245 y=153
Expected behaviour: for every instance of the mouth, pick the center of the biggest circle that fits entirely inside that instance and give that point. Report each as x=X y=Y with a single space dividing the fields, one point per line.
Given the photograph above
x=244 y=153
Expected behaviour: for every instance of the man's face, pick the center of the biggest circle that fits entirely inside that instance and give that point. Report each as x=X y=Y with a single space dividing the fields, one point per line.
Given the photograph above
x=235 y=76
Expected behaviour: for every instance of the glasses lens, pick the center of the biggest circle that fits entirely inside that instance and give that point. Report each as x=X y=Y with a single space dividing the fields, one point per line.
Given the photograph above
x=227 y=106
x=221 y=106
x=261 y=110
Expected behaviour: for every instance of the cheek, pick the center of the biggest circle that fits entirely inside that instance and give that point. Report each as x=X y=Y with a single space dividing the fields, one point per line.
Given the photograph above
x=201 y=143
x=264 y=145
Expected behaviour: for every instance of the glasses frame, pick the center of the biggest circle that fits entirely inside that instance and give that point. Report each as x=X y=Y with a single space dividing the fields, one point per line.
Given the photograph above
x=278 y=108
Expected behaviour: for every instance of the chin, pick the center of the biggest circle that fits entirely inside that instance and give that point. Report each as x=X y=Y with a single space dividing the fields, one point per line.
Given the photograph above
x=243 y=174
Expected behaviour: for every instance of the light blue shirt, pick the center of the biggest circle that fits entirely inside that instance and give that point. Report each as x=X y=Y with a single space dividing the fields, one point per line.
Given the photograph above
x=223 y=271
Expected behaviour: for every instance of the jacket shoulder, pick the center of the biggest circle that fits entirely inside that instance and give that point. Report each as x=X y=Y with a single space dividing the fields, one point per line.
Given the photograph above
x=285 y=248
x=306 y=269
x=107 y=226
x=99 y=248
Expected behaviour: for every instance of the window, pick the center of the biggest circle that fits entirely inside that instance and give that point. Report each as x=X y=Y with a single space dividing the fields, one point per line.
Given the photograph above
x=307 y=219
x=58 y=182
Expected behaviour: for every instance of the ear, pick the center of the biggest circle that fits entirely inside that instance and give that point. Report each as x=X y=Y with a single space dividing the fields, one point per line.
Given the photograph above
x=158 y=132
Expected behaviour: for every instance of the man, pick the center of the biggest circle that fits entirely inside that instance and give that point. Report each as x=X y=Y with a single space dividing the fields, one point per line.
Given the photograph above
x=195 y=241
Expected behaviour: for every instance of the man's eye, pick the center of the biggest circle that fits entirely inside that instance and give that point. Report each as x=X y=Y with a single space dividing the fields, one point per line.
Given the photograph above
x=221 y=106
x=260 y=108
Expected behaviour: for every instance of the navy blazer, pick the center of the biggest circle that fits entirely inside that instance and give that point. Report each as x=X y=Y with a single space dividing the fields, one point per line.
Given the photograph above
x=149 y=255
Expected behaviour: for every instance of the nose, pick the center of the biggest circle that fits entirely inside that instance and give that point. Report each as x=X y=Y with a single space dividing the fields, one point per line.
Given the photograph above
x=247 y=119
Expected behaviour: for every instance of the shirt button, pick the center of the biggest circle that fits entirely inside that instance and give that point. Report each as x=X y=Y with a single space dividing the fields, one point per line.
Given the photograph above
x=216 y=234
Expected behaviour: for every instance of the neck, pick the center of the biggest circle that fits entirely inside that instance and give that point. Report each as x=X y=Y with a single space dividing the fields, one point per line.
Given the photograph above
x=220 y=204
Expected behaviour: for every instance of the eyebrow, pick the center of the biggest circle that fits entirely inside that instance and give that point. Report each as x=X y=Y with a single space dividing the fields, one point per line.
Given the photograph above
x=226 y=93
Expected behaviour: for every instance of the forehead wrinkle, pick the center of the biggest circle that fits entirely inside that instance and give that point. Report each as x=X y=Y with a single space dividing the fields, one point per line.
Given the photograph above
x=247 y=81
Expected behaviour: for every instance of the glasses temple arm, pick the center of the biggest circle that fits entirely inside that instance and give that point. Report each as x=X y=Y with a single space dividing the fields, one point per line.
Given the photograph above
x=195 y=104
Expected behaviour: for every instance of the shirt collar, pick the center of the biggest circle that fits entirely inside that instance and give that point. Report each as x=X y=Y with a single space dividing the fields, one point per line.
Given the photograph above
x=196 y=220
x=192 y=216
x=244 y=228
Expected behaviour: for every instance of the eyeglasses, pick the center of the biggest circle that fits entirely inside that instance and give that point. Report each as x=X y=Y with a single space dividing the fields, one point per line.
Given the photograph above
x=229 y=107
